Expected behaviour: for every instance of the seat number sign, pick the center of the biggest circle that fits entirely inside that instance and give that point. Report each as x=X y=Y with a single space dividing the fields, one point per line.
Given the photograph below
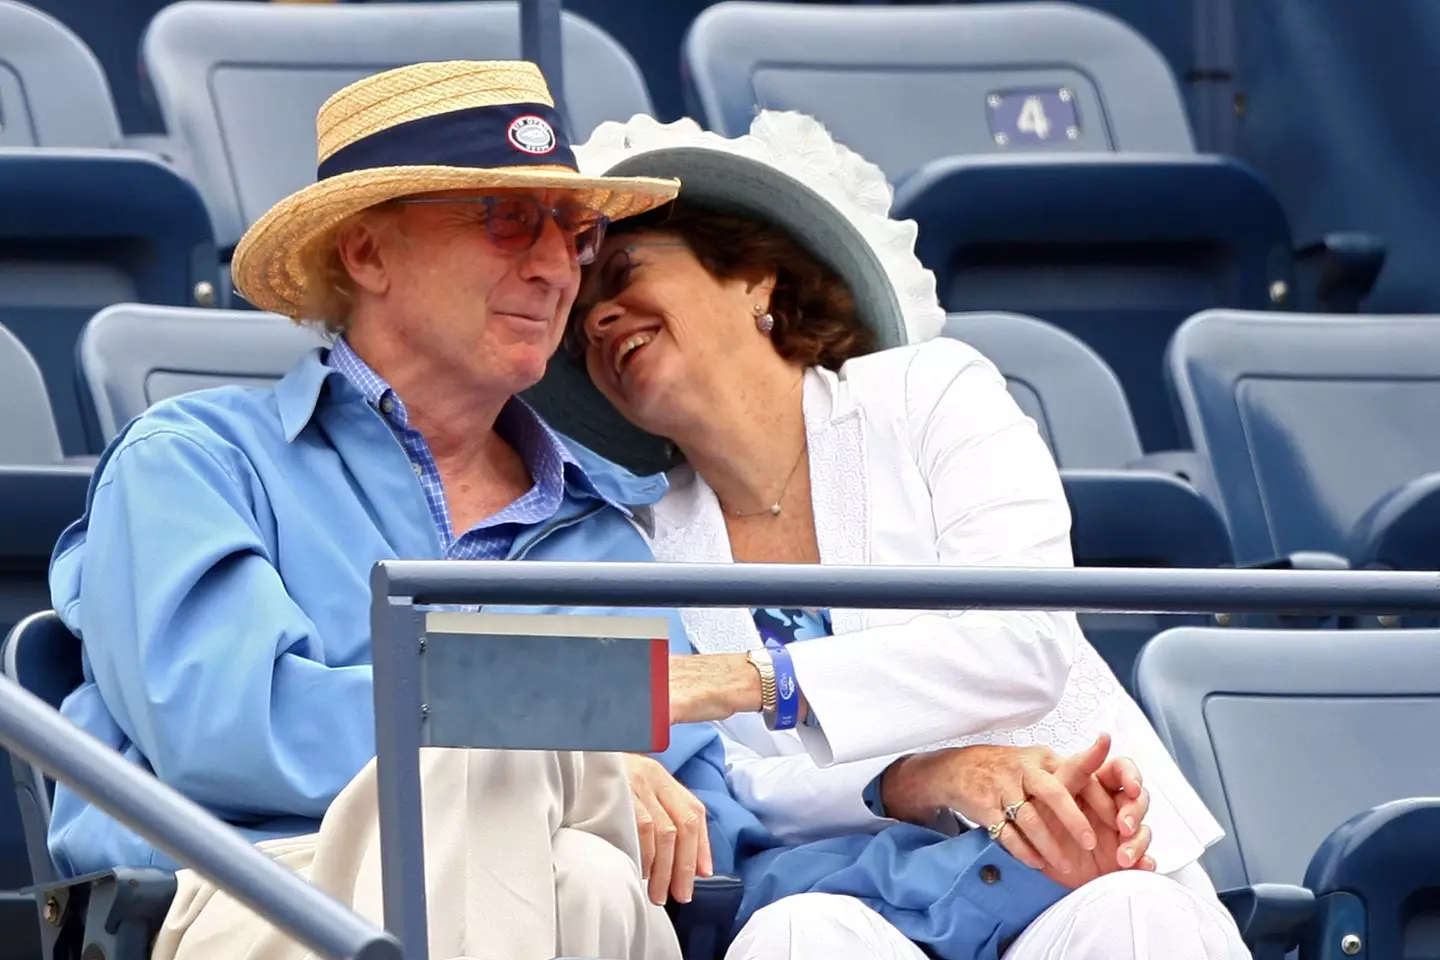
x=1020 y=118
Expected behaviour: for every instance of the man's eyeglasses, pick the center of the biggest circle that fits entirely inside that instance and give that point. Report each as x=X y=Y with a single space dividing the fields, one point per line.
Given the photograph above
x=514 y=223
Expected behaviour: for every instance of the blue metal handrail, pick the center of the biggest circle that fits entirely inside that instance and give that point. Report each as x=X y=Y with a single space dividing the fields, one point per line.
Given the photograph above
x=1083 y=590
x=33 y=730
x=399 y=586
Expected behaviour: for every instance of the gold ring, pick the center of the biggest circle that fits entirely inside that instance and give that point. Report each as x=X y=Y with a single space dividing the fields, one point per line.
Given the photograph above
x=1013 y=811
x=994 y=830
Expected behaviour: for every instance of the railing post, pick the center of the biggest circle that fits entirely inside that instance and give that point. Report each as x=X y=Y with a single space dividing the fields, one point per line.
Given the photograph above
x=395 y=641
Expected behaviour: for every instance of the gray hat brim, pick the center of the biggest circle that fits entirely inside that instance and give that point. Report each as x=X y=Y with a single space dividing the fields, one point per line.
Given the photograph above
x=731 y=183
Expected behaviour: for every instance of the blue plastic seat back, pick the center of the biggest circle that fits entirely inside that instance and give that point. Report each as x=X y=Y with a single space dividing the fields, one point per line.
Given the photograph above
x=28 y=435
x=1307 y=421
x=53 y=92
x=39 y=494
x=1287 y=734
x=1064 y=386
x=1116 y=249
x=82 y=229
x=133 y=355
x=904 y=85
x=239 y=84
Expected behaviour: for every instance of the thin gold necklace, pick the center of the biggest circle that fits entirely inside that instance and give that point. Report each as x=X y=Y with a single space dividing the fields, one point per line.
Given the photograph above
x=775 y=509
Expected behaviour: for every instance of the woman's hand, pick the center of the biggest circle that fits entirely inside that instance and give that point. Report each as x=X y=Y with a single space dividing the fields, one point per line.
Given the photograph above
x=1113 y=802
x=712 y=687
x=1055 y=828
x=674 y=837
x=980 y=782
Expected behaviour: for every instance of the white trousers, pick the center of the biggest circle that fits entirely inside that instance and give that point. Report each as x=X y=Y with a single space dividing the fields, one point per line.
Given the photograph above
x=529 y=855
x=1130 y=915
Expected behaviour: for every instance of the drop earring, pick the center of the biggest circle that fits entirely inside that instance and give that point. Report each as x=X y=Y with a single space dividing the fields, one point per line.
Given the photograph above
x=764 y=321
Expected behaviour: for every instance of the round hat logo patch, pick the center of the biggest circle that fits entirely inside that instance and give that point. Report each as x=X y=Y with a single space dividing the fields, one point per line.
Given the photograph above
x=531 y=134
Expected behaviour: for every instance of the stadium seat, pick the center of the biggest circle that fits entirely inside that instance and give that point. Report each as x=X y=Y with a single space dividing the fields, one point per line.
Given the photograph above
x=41 y=492
x=114 y=915
x=239 y=83
x=1042 y=148
x=53 y=92
x=907 y=85
x=1124 y=514
x=1376 y=887
x=1061 y=383
x=1319 y=430
x=1288 y=735
x=133 y=355
x=40 y=495
x=1118 y=249
x=81 y=229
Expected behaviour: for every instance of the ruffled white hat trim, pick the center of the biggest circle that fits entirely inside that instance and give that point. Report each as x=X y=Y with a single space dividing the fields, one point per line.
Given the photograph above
x=799 y=146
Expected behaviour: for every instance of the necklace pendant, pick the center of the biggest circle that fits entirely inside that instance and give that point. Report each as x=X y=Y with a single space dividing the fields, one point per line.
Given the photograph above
x=775 y=509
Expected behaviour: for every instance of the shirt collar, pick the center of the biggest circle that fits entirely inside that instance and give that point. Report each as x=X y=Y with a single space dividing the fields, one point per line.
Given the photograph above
x=298 y=397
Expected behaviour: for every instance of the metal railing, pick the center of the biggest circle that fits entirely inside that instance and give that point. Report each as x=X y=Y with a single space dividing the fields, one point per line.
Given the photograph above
x=33 y=730
x=398 y=587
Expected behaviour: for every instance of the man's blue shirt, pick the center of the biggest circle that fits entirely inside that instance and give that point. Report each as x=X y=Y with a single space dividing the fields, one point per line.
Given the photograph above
x=219 y=581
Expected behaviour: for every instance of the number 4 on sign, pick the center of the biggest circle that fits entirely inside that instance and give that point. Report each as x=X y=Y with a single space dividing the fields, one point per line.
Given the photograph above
x=1032 y=118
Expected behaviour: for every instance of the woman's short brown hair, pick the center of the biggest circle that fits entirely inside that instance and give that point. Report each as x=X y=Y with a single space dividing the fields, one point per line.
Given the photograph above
x=814 y=311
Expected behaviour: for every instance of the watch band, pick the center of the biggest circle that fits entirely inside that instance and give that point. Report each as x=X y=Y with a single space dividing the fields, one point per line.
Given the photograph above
x=769 y=707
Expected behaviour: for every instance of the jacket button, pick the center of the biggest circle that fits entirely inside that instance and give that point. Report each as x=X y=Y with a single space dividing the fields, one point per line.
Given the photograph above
x=990 y=873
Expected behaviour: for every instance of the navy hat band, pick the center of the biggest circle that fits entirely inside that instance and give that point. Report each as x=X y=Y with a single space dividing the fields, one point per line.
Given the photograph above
x=506 y=135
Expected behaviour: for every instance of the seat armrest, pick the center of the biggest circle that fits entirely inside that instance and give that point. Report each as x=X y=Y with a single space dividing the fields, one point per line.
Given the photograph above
x=1343 y=268
x=1399 y=531
x=113 y=914
x=703 y=925
x=1386 y=851
x=1271 y=916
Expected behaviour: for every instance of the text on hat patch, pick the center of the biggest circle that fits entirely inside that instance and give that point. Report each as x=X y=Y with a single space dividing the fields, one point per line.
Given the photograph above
x=531 y=134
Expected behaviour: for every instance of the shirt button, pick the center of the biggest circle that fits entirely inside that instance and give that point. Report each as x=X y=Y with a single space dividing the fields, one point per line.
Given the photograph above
x=419 y=470
x=387 y=406
x=990 y=873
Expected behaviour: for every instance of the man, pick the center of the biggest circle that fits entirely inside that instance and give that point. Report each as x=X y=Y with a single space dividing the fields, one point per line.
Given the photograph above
x=219 y=579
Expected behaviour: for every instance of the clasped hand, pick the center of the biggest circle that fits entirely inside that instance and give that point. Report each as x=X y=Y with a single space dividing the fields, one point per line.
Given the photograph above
x=1082 y=816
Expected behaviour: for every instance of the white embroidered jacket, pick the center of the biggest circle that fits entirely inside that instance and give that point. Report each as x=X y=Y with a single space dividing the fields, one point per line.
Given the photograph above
x=919 y=456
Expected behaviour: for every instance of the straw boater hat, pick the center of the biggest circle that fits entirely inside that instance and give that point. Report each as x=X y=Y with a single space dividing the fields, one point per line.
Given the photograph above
x=457 y=125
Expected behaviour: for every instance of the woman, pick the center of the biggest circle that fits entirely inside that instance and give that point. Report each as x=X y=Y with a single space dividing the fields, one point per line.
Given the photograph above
x=793 y=368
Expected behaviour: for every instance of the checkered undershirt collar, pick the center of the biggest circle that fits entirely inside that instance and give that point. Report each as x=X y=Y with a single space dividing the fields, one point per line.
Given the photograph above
x=542 y=451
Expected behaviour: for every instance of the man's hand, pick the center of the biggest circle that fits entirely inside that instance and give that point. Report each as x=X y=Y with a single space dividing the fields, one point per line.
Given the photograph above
x=674 y=837
x=712 y=687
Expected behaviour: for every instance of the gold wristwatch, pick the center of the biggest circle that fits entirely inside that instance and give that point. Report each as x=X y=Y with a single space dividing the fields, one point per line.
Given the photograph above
x=769 y=704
